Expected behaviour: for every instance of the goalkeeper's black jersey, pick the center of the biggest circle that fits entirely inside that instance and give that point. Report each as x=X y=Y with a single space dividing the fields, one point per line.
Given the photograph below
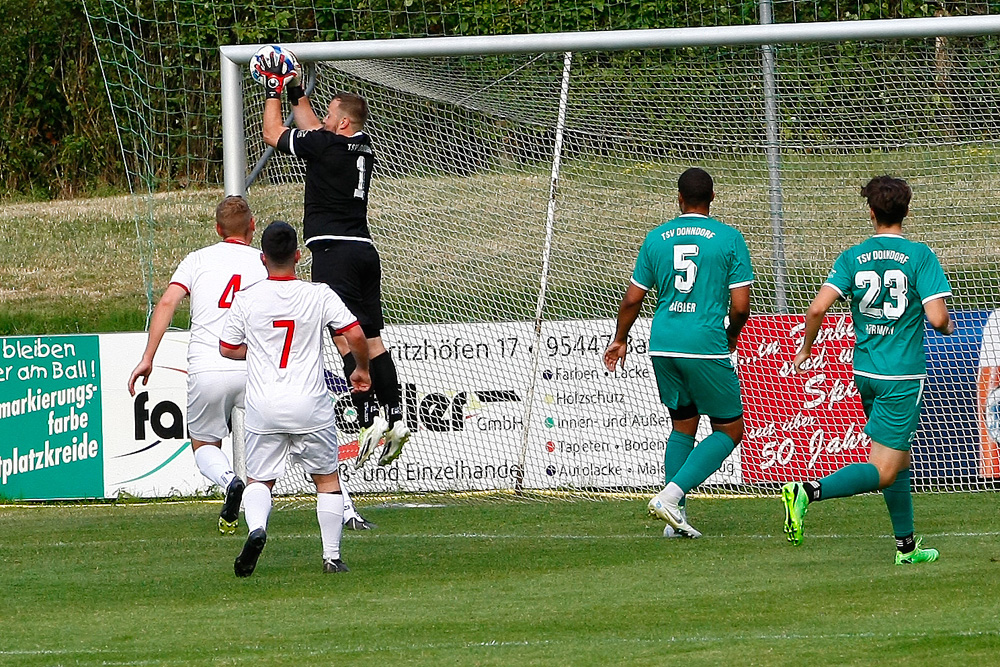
x=338 y=173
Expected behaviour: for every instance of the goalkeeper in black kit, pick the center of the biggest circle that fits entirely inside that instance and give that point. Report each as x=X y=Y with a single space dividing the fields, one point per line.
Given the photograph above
x=339 y=162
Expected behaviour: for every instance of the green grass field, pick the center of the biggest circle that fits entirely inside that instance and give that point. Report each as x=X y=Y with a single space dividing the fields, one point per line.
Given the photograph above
x=584 y=583
x=470 y=248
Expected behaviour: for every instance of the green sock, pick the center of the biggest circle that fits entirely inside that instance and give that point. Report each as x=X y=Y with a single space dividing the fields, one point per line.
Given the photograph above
x=849 y=481
x=706 y=458
x=899 y=500
x=679 y=447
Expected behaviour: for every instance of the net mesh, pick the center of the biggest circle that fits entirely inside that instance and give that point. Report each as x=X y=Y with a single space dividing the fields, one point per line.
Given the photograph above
x=459 y=203
x=465 y=149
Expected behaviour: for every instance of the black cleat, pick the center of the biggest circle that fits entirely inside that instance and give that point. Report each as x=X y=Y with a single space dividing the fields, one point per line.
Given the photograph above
x=334 y=565
x=247 y=560
x=229 y=517
x=359 y=523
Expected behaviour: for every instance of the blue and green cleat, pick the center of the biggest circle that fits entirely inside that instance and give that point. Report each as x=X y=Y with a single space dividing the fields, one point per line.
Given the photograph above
x=796 y=502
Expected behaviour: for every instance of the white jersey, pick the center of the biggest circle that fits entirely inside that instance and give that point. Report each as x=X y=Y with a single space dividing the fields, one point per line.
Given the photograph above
x=281 y=320
x=989 y=349
x=212 y=276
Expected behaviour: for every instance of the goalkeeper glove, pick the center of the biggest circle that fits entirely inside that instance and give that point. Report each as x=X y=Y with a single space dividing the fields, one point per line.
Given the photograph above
x=276 y=71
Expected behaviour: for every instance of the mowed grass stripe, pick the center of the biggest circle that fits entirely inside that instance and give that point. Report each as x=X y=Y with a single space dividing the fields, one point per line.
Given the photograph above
x=524 y=583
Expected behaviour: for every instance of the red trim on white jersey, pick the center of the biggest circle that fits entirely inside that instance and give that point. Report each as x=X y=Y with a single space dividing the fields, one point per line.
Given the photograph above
x=182 y=286
x=282 y=278
x=235 y=240
x=229 y=346
x=350 y=326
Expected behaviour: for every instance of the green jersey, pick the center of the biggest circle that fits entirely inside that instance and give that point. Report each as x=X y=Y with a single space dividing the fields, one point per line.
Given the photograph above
x=692 y=262
x=888 y=279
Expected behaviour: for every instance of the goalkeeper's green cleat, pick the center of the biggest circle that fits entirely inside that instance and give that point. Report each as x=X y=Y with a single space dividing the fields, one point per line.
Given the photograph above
x=918 y=555
x=368 y=438
x=796 y=502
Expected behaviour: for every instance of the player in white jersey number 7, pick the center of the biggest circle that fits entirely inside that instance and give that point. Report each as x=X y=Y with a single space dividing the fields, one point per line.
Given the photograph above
x=277 y=325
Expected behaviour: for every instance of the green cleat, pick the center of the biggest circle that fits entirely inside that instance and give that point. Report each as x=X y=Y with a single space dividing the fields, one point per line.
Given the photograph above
x=918 y=555
x=796 y=502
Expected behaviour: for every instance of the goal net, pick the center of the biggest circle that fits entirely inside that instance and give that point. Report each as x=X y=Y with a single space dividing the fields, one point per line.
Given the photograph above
x=511 y=195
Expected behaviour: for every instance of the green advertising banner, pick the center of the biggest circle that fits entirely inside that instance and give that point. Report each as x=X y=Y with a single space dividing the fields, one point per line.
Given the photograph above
x=50 y=418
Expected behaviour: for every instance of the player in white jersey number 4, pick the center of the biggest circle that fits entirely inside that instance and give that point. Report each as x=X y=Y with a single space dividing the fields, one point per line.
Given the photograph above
x=277 y=325
x=211 y=276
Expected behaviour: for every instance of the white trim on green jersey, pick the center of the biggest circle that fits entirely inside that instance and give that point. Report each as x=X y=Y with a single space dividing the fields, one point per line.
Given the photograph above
x=836 y=289
x=683 y=355
x=639 y=285
x=935 y=296
x=876 y=376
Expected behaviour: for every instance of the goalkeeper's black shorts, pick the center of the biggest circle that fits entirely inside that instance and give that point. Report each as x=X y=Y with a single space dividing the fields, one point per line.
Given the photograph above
x=354 y=271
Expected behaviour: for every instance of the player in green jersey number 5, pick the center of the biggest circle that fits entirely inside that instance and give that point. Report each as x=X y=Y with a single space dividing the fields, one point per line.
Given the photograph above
x=891 y=283
x=701 y=271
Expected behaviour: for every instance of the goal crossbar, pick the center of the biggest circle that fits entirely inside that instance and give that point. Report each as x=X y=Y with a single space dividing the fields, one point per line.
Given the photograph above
x=235 y=56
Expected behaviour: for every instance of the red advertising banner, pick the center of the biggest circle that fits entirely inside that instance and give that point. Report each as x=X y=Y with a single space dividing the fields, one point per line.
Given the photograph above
x=798 y=426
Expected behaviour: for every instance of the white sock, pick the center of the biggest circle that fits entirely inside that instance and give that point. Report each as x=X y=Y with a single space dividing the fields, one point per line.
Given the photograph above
x=672 y=493
x=330 y=513
x=256 y=506
x=214 y=465
x=349 y=511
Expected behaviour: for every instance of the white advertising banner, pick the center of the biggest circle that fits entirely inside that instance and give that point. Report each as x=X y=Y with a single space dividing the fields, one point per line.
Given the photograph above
x=493 y=406
x=147 y=451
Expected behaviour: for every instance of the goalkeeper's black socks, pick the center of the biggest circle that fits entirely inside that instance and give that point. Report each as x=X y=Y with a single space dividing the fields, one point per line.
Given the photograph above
x=385 y=384
x=812 y=490
x=905 y=545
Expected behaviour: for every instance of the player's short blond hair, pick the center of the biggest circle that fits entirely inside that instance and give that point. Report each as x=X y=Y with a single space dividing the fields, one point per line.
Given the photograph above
x=354 y=107
x=233 y=215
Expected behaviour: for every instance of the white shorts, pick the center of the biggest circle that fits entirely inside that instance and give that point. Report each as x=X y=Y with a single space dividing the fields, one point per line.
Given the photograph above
x=211 y=397
x=267 y=452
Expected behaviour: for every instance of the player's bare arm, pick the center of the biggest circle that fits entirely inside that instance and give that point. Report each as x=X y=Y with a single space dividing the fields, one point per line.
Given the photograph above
x=628 y=311
x=238 y=353
x=739 y=313
x=163 y=314
x=814 y=320
x=937 y=314
x=356 y=341
x=273 y=123
x=305 y=117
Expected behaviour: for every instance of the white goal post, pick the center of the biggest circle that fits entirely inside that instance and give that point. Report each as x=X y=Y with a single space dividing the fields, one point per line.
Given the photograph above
x=517 y=175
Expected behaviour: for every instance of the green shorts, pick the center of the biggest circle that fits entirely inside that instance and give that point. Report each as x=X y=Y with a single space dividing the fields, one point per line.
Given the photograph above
x=708 y=384
x=892 y=408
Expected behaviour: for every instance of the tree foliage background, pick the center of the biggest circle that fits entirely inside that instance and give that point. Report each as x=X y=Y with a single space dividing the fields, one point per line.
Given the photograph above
x=57 y=123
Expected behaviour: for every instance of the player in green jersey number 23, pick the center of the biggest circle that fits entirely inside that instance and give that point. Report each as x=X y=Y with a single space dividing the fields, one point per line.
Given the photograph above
x=891 y=283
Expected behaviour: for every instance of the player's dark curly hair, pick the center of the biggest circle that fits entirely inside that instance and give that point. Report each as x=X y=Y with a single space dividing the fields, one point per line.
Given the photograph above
x=279 y=242
x=695 y=186
x=889 y=198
